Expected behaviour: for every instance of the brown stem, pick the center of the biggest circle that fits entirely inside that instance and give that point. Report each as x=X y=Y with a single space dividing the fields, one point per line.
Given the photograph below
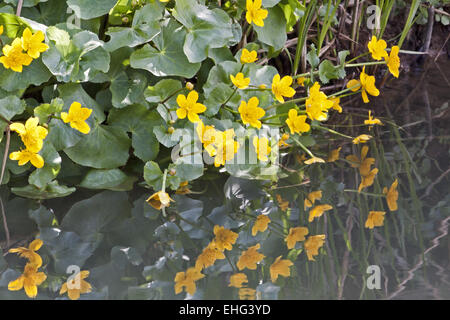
x=19 y=8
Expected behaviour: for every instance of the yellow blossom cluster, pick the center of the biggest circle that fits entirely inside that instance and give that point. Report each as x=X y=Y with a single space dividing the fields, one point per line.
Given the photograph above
x=22 y=51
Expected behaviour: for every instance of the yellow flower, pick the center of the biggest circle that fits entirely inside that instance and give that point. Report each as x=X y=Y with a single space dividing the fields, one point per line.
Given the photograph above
x=334 y=155
x=77 y=117
x=29 y=253
x=377 y=48
x=209 y=256
x=375 y=219
x=251 y=113
x=317 y=104
x=301 y=81
x=225 y=238
x=239 y=80
x=262 y=148
x=225 y=147
x=189 y=86
x=31 y=133
x=254 y=13
x=367 y=85
x=318 y=211
x=284 y=204
x=248 y=56
x=295 y=235
x=26 y=155
x=32 y=44
x=282 y=142
x=159 y=200
x=247 y=294
x=280 y=268
x=393 y=61
x=372 y=121
x=282 y=88
x=392 y=196
x=183 y=188
x=313 y=244
x=189 y=106
x=187 y=280
x=1 y=30
x=13 y=57
x=296 y=123
x=336 y=106
x=363 y=138
x=74 y=289
x=238 y=280
x=207 y=136
x=250 y=258
x=262 y=86
x=362 y=162
x=367 y=180
x=314 y=160
x=311 y=198
x=29 y=280
x=261 y=223
x=300 y=158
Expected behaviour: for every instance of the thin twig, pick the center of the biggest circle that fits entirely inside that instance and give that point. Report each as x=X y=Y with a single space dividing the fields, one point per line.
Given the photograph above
x=19 y=8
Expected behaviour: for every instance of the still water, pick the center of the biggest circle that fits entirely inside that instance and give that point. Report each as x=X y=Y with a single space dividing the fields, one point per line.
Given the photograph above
x=133 y=252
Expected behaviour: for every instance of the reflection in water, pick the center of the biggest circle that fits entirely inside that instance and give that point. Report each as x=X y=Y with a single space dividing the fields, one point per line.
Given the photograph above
x=411 y=249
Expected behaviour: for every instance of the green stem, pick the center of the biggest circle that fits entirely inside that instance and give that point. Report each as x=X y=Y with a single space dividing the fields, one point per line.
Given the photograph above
x=332 y=131
x=303 y=147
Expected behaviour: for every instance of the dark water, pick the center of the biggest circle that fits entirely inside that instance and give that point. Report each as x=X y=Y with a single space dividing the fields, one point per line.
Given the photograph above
x=133 y=252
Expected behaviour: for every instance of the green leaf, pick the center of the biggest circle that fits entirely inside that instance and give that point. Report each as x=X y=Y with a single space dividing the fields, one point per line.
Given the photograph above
x=144 y=28
x=269 y=3
x=51 y=190
x=44 y=111
x=312 y=57
x=52 y=164
x=13 y=26
x=112 y=179
x=103 y=148
x=152 y=174
x=61 y=135
x=162 y=90
x=165 y=138
x=166 y=58
x=88 y=9
x=206 y=28
x=34 y=74
x=140 y=122
x=11 y=106
x=273 y=32
x=127 y=89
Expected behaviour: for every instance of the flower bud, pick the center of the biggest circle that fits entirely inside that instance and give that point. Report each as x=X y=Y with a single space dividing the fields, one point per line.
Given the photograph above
x=171 y=130
x=189 y=86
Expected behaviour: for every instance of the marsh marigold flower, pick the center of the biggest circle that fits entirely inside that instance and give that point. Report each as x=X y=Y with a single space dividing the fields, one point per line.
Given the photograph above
x=282 y=142
x=1 y=30
x=189 y=106
x=317 y=104
x=311 y=198
x=261 y=224
x=363 y=163
x=187 y=280
x=159 y=200
x=13 y=57
x=318 y=211
x=372 y=121
x=377 y=48
x=238 y=280
x=254 y=13
x=77 y=116
x=296 y=123
x=29 y=280
x=393 y=61
x=336 y=106
x=314 y=160
x=247 y=294
x=392 y=196
x=295 y=235
x=74 y=287
x=334 y=155
x=375 y=219
x=207 y=136
x=240 y=81
x=367 y=85
x=248 y=56
x=313 y=244
x=225 y=147
x=250 y=258
x=251 y=113
x=32 y=43
x=367 y=180
x=209 y=256
x=280 y=267
x=30 y=252
x=31 y=133
x=225 y=238
x=284 y=204
x=262 y=147
x=25 y=156
x=363 y=138
x=282 y=87
x=301 y=81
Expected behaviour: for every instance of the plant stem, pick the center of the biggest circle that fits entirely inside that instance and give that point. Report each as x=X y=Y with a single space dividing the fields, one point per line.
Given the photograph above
x=303 y=147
